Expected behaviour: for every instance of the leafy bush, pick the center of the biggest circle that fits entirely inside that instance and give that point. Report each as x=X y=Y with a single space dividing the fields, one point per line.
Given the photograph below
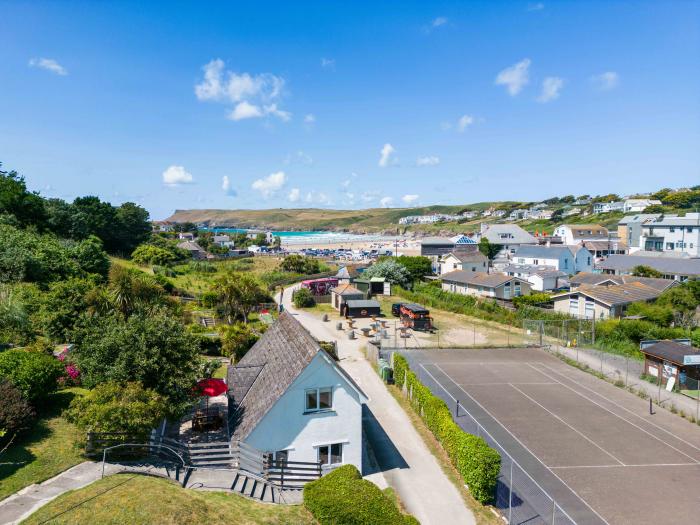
x=303 y=298
x=344 y=498
x=236 y=340
x=16 y=414
x=417 y=266
x=477 y=463
x=118 y=407
x=534 y=299
x=34 y=374
x=300 y=264
x=391 y=270
x=149 y=254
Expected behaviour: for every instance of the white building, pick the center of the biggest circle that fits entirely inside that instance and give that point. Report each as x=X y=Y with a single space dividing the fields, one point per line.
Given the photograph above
x=541 y=278
x=290 y=398
x=607 y=207
x=577 y=233
x=223 y=240
x=639 y=205
x=468 y=261
x=672 y=233
x=568 y=259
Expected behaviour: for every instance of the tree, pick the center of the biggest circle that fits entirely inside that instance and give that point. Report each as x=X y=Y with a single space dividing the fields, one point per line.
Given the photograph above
x=236 y=340
x=34 y=374
x=16 y=414
x=128 y=292
x=303 y=298
x=684 y=304
x=277 y=241
x=261 y=239
x=556 y=215
x=15 y=323
x=390 y=270
x=642 y=270
x=62 y=306
x=655 y=208
x=27 y=207
x=148 y=254
x=488 y=249
x=238 y=294
x=133 y=227
x=118 y=407
x=417 y=266
x=300 y=264
x=91 y=216
x=154 y=349
x=90 y=256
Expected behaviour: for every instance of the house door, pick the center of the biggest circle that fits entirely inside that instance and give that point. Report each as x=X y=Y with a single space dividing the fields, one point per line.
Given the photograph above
x=506 y=291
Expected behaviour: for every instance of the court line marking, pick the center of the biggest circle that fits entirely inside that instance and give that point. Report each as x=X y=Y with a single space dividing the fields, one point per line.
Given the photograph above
x=619 y=416
x=628 y=465
x=515 y=438
x=620 y=406
x=506 y=383
x=567 y=424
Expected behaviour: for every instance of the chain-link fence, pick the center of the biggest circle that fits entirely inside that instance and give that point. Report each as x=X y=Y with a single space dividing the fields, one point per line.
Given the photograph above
x=519 y=498
x=569 y=332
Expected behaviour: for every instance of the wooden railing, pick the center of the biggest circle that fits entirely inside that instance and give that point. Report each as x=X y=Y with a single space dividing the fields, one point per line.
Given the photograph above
x=292 y=474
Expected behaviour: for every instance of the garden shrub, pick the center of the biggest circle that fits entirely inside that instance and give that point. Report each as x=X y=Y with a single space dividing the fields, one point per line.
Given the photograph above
x=16 y=414
x=236 y=340
x=342 y=497
x=34 y=374
x=477 y=463
x=303 y=298
x=118 y=407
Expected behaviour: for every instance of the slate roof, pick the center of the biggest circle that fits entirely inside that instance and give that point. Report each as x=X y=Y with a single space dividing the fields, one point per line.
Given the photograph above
x=667 y=265
x=437 y=241
x=190 y=246
x=519 y=236
x=546 y=252
x=670 y=351
x=586 y=278
x=346 y=289
x=467 y=256
x=490 y=280
x=360 y=303
x=618 y=294
x=268 y=369
x=530 y=269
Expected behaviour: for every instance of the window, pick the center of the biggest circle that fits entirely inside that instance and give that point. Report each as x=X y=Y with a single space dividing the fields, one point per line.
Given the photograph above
x=573 y=305
x=318 y=399
x=566 y=263
x=517 y=289
x=281 y=456
x=669 y=246
x=672 y=229
x=535 y=262
x=330 y=454
x=689 y=229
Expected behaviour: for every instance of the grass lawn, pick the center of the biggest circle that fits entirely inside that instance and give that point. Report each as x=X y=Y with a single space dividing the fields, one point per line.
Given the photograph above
x=129 y=499
x=49 y=448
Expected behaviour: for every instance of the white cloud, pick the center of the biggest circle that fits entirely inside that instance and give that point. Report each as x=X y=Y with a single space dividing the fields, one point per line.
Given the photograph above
x=387 y=156
x=244 y=110
x=514 y=77
x=309 y=118
x=294 y=195
x=386 y=202
x=409 y=199
x=328 y=63
x=428 y=160
x=317 y=197
x=464 y=122
x=299 y=158
x=539 y=6
x=227 y=187
x=49 y=64
x=177 y=175
x=606 y=81
x=439 y=21
x=551 y=86
x=271 y=184
x=254 y=96
x=369 y=196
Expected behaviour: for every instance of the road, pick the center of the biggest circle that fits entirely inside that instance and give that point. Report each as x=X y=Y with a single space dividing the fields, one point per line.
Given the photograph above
x=407 y=464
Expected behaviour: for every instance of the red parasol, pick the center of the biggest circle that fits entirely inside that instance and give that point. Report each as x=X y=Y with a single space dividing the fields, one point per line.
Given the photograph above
x=211 y=387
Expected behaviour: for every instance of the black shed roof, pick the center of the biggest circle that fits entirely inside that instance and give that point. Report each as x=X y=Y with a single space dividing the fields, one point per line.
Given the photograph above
x=670 y=351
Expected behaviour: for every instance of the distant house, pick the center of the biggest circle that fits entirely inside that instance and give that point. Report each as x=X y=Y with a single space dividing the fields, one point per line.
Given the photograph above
x=508 y=236
x=603 y=301
x=162 y=226
x=289 y=398
x=638 y=205
x=671 y=233
x=601 y=249
x=436 y=247
x=541 y=278
x=194 y=249
x=185 y=236
x=494 y=285
x=676 y=268
x=629 y=229
x=223 y=240
x=467 y=261
x=569 y=259
x=577 y=233
x=253 y=234
x=346 y=274
x=343 y=293
x=607 y=207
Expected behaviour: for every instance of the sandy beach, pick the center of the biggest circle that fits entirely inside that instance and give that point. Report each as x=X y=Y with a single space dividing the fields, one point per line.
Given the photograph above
x=401 y=246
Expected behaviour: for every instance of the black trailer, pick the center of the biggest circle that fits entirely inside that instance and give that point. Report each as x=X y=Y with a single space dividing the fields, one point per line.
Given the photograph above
x=362 y=308
x=416 y=316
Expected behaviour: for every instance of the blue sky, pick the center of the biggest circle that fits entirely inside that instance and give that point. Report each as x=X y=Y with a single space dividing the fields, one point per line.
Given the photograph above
x=348 y=104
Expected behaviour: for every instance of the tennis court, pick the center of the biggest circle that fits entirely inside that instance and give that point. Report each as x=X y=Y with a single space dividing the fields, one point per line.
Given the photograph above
x=590 y=446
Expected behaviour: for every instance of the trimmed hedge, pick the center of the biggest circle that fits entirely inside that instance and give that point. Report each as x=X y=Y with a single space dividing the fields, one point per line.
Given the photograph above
x=342 y=497
x=477 y=463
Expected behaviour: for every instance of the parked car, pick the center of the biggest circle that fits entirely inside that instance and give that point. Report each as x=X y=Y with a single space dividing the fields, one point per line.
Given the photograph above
x=396 y=309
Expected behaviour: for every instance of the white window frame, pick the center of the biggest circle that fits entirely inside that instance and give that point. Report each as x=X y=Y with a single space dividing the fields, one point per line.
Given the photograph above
x=317 y=390
x=330 y=446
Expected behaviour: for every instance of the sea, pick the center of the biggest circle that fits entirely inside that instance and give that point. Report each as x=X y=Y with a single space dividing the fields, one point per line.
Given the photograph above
x=319 y=237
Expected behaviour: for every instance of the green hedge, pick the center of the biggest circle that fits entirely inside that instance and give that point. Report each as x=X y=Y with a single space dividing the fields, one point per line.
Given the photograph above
x=344 y=498
x=477 y=463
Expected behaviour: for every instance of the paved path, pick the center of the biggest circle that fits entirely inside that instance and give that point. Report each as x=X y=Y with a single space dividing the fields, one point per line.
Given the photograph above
x=23 y=503
x=406 y=463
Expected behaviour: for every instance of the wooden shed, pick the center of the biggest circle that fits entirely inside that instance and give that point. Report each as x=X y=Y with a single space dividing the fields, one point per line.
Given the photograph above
x=671 y=359
x=362 y=308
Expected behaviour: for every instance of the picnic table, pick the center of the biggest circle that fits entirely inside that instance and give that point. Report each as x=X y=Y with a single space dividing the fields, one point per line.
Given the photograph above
x=207 y=419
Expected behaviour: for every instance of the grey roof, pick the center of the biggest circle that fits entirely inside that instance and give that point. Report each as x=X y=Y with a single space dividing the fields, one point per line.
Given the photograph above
x=690 y=219
x=519 y=236
x=531 y=269
x=347 y=272
x=437 y=241
x=268 y=369
x=546 y=252
x=670 y=351
x=667 y=265
x=358 y=303
x=490 y=280
x=594 y=279
x=617 y=294
x=190 y=246
x=468 y=256
x=639 y=217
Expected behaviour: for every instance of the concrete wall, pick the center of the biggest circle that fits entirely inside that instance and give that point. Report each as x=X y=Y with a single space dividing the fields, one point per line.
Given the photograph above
x=287 y=427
